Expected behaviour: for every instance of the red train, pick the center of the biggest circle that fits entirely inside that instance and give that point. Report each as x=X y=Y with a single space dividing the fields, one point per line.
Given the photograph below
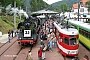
x=28 y=31
x=67 y=39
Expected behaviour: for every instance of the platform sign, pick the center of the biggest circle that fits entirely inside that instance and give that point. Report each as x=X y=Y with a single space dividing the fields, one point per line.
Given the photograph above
x=27 y=33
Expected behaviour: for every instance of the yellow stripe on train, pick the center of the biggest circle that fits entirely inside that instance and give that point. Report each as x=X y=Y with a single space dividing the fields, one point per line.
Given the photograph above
x=85 y=41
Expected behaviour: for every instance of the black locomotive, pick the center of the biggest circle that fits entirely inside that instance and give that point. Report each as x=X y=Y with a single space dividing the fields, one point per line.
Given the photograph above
x=28 y=31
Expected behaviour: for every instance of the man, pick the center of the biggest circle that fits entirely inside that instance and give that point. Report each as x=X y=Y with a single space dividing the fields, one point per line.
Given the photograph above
x=43 y=51
x=40 y=54
x=41 y=43
x=41 y=34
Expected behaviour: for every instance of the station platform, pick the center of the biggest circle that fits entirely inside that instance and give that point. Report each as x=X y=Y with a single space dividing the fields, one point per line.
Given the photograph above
x=4 y=38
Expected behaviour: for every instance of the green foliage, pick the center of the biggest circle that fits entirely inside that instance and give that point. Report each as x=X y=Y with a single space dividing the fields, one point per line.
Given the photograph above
x=88 y=5
x=33 y=5
x=3 y=11
x=32 y=28
x=68 y=2
x=38 y=5
x=7 y=2
x=22 y=28
x=64 y=7
x=4 y=27
x=19 y=3
x=7 y=23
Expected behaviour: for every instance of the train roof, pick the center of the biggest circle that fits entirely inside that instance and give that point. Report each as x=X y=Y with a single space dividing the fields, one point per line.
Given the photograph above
x=80 y=23
x=69 y=31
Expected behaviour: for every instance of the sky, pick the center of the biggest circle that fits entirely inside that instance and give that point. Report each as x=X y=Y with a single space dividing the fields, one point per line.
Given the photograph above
x=51 y=1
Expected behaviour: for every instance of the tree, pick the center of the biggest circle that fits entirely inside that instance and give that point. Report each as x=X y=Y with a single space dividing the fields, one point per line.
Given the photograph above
x=7 y=2
x=19 y=3
x=88 y=5
x=38 y=5
x=63 y=7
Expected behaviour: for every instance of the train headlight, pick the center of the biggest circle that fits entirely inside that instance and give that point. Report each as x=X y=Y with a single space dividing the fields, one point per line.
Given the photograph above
x=32 y=38
x=31 y=42
x=68 y=52
x=19 y=38
x=76 y=52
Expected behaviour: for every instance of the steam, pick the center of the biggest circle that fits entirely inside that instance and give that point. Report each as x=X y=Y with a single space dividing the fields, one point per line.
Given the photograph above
x=20 y=12
x=8 y=7
x=23 y=12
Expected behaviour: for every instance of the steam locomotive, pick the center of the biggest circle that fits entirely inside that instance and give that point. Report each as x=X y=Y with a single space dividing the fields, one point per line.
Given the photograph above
x=28 y=31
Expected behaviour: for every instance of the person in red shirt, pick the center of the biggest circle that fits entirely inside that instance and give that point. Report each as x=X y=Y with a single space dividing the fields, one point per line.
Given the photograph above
x=40 y=54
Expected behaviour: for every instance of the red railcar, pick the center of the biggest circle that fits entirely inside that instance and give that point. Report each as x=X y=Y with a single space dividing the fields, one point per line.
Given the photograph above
x=67 y=39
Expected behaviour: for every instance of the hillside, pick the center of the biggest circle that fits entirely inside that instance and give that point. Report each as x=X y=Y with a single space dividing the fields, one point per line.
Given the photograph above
x=68 y=2
x=7 y=23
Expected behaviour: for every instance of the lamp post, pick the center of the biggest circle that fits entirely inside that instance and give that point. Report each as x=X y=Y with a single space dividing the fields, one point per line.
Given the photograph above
x=63 y=14
x=78 y=9
x=20 y=13
x=14 y=16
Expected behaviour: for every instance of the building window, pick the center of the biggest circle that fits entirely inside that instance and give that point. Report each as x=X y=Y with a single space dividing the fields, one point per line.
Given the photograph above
x=81 y=9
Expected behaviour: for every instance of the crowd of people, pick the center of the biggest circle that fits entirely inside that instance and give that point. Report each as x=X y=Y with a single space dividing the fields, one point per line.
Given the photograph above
x=47 y=34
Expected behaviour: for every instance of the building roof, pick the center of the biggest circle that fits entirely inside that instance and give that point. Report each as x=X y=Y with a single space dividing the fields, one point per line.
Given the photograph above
x=76 y=5
x=45 y=11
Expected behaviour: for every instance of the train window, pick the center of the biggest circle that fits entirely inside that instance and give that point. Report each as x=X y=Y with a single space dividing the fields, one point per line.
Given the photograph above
x=80 y=31
x=86 y=33
x=89 y=35
x=72 y=41
x=66 y=41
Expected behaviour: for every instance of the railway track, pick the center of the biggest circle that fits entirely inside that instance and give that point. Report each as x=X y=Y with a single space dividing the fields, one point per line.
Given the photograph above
x=5 y=43
x=7 y=49
x=4 y=48
x=16 y=52
x=22 y=55
x=11 y=52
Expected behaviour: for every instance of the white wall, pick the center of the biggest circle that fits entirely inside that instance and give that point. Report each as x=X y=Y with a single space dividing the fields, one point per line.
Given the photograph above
x=80 y=10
